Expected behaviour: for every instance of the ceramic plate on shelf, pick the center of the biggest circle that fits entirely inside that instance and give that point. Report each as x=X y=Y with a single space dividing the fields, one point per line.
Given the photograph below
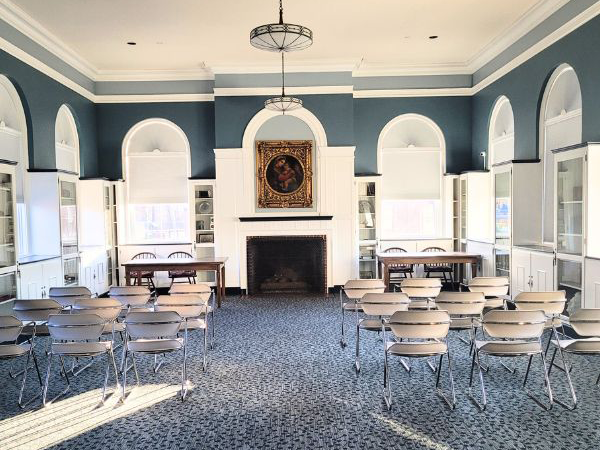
x=364 y=206
x=204 y=208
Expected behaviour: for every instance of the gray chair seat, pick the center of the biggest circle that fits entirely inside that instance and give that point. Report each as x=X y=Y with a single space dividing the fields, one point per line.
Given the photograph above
x=119 y=328
x=494 y=302
x=155 y=345
x=464 y=323
x=81 y=348
x=417 y=348
x=509 y=347
x=194 y=324
x=351 y=306
x=371 y=324
x=13 y=350
x=589 y=345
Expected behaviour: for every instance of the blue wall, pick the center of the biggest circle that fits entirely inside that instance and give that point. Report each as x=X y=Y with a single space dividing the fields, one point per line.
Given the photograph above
x=41 y=97
x=196 y=119
x=232 y=114
x=452 y=115
x=524 y=86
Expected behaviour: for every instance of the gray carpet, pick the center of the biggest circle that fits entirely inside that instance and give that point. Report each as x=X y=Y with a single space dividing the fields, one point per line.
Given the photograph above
x=278 y=379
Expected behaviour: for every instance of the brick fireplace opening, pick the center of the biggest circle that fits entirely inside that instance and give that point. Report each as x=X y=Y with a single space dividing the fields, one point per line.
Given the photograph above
x=286 y=264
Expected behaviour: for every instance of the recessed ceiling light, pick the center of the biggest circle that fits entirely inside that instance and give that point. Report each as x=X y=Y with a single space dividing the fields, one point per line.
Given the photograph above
x=433 y=37
x=160 y=43
x=132 y=43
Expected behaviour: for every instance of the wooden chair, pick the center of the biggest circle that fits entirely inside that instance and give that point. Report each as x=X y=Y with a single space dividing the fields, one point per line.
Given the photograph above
x=443 y=268
x=399 y=271
x=143 y=274
x=189 y=274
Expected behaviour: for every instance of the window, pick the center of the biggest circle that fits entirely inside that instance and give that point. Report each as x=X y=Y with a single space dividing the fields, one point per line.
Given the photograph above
x=411 y=161
x=157 y=170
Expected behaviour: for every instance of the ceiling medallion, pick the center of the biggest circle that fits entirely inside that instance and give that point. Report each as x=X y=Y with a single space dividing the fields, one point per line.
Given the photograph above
x=281 y=37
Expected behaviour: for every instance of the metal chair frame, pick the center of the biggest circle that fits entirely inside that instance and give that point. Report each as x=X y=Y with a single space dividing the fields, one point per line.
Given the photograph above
x=353 y=291
x=199 y=289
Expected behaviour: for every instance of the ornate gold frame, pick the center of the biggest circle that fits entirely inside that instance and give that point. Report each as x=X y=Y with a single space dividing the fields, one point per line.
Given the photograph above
x=266 y=196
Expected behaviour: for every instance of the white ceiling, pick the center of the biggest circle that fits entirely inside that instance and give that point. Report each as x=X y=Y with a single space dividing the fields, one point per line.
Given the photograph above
x=185 y=35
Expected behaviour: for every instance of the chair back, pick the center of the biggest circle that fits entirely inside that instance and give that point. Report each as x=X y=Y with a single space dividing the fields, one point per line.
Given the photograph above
x=180 y=255
x=152 y=324
x=421 y=287
x=107 y=308
x=75 y=327
x=190 y=289
x=356 y=289
x=68 y=295
x=503 y=324
x=397 y=250
x=435 y=250
x=550 y=302
x=130 y=296
x=37 y=310
x=10 y=328
x=144 y=255
x=186 y=305
x=420 y=324
x=461 y=303
x=490 y=286
x=586 y=322
x=384 y=304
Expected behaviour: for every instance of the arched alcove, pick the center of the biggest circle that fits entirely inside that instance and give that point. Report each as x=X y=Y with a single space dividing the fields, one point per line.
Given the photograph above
x=66 y=140
x=501 y=133
x=560 y=126
x=156 y=166
x=411 y=157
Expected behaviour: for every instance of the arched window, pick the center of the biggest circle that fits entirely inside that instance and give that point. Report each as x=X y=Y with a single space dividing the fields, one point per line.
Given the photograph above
x=560 y=126
x=13 y=147
x=66 y=141
x=411 y=158
x=502 y=133
x=156 y=156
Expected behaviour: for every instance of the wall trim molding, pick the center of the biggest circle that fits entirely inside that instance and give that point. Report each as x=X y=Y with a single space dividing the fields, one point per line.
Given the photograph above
x=291 y=90
x=153 y=98
x=433 y=92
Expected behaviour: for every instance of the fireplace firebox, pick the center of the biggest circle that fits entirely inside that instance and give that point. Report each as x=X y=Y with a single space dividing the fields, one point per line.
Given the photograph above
x=286 y=264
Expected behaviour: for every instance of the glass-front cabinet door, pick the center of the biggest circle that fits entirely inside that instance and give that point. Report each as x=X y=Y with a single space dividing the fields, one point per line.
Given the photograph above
x=68 y=218
x=569 y=220
x=502 y=208
x=8 y=242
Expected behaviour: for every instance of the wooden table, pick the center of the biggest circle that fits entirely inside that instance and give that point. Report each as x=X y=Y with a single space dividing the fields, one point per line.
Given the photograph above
x=165 y=264
x=385 y=259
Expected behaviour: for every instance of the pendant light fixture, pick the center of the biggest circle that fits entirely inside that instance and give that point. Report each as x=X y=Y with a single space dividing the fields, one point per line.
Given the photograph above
x=283 y=103
x=281 y=37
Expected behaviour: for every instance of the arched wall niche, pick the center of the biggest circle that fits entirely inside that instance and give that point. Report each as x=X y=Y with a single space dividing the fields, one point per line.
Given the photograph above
x=560 y=126
x=66 y=139
x=501 y=139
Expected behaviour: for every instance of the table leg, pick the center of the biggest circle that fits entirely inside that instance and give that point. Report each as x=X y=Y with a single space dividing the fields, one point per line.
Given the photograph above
x=386 y=277
x=223 y=282
x=461 y=268
x=474 y=269
x=127 y=277
x=219 y=288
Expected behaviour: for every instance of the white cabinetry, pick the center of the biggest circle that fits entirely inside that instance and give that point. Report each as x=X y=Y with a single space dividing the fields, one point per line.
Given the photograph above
x=36 y=278
x=202 y=213
x=533 y=271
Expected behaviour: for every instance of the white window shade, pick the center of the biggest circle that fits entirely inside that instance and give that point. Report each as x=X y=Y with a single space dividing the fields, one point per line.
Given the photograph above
x=157 y=178
x=413 y=173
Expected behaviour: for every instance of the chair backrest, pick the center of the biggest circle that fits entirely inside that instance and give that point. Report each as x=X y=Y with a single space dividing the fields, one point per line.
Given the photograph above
x=420 y=324
x=185 y=305
x=435 y=250
x=180 y=255
x=356 y=289
x=152 y=324
x=37 y=310
x=107 y=308
x=68 y=295
x=550 y=302
x=586 y=322
x=75 y=327
x=421 y=287
x=144 y=255
x=394 y=250
x=514 y=324
x=490 y=286
x=134 y=296
x=461 y=303
x=384 y=304
x=190 y=289
x=10 y=328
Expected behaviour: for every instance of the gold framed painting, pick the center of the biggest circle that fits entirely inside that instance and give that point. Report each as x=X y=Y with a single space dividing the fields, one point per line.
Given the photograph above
x=284 y=174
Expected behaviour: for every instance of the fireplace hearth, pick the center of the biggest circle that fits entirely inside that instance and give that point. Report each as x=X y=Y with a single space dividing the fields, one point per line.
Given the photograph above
x=286 y=264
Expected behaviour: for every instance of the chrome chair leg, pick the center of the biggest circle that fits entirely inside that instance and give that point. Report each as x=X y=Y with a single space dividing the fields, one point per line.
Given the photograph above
x=450 y=402
x=343 y=338
x=569 y=381
x=387 y=390
x=45 y=391
x=204 y=361
x=476 y=361
x=357 y=357
x=546 y=382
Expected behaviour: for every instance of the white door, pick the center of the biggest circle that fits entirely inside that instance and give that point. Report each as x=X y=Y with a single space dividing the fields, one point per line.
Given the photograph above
x=521 y=271
x=542 y=272
x=31 y=280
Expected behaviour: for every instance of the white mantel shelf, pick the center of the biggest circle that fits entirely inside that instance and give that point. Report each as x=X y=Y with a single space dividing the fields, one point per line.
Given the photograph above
x=282 y=218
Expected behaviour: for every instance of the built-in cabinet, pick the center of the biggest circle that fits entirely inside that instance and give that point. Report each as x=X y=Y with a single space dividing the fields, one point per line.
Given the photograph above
x=533 y=270
x=367 y=227
x=202 y=213
x=8 y=238
x=37 y=275
x=69 y=231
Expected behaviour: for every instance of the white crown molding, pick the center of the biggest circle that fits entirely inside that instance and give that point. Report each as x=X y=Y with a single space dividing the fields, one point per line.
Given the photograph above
x=541 y=45
x=155 y=75
x=527 y=22
x=23 y=22
x=388 y=93
x=290 y=66
x=385 y=70
x=153 y=98
x=300 y=90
